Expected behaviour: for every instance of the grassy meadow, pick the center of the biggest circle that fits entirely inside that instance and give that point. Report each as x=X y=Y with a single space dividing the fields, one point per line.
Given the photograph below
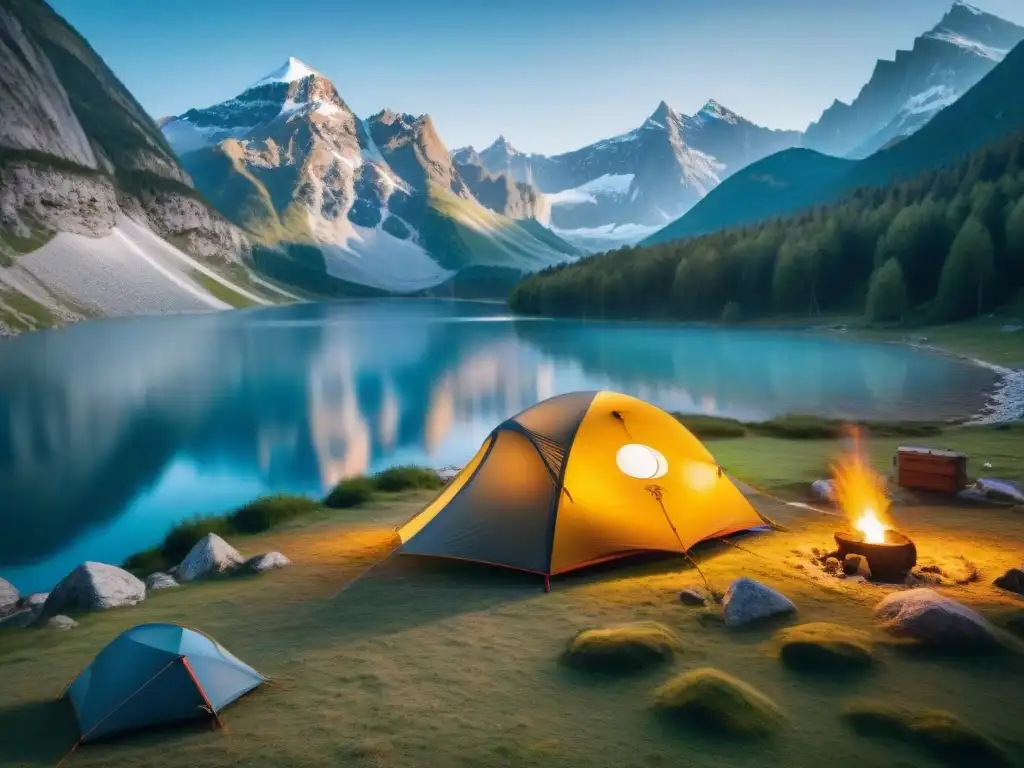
x=424 y=663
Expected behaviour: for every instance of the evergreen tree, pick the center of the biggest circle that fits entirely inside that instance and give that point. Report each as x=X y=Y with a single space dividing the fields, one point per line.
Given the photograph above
x=887 y=296
x=968 y=273
x=1015 y=238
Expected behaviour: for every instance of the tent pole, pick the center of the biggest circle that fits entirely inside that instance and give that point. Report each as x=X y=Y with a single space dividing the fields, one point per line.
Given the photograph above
x=547 y=582
x=199 y=687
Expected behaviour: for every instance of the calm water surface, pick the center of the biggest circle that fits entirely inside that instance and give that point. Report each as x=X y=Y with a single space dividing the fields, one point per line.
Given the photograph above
x=113 y=431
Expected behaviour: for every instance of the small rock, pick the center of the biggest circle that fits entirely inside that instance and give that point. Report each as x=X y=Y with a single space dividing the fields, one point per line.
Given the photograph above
x=268 y=562
x=817 y=552
x=9 y=598
x=160 y=580
x=851 y=563
x=987 y=465
x=1012 y=581
x=747 y=601
x=210 y=555
x=93 y=587
x=1001 y=490
x=925 y=615
x=823 y=490
x=831 y=565
x=35 y=601
x=60 y=622
x=695 y=596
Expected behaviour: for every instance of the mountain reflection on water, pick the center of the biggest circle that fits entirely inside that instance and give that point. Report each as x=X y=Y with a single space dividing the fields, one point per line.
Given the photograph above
x=113 y=431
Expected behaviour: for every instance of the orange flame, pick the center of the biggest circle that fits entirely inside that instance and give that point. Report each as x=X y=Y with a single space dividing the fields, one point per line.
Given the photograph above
x=860 y=493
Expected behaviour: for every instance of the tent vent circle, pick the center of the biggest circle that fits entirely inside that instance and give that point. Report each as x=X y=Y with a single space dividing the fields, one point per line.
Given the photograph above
x=641 y=461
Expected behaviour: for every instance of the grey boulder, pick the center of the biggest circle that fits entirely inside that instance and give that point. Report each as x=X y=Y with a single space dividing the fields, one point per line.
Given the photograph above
x=18 y=620
x=210 y=555
x=268 y=562
x=747 y=601
x=925 y=615
x=823 y=490
x=1012 y=581
x=160 y=580
x=9 y=598
x=93 y=587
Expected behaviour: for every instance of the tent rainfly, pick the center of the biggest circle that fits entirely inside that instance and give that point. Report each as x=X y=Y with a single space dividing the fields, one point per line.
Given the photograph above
x=578 y=479
x=154 y=674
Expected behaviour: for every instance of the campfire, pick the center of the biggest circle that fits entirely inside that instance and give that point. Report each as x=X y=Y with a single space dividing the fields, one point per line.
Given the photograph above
x=860 y=494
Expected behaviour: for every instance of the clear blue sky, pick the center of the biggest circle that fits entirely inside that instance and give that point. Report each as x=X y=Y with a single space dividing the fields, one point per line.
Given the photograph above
x=551 y=75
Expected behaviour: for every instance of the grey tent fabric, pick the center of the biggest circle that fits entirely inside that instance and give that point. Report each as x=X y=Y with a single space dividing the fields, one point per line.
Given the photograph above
x=501 y=513
x=557 y=418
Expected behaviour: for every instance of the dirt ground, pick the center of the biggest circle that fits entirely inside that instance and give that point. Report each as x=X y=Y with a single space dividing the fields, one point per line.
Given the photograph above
x=432 y=663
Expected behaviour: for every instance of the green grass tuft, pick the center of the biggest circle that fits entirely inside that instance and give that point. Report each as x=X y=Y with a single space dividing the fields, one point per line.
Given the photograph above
x=407 y=478
x=939 y=732
x=270 y=511
x=710 y=699
x=823 y=647
x=711 y=427
x=622 y=648
x=350 y=493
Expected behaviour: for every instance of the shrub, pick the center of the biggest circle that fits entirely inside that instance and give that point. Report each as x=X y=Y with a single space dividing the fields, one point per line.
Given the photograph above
x=800 y=427
x=407 y=478
x=269 y=511
x=184 y=536
x=711 y=427
x=350 y=493
x=623 y=648
x=939 y=732
x=146 y=562
x=711 y=699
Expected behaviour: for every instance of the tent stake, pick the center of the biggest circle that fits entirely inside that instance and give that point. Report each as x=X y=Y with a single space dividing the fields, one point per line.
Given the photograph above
x=547 y=582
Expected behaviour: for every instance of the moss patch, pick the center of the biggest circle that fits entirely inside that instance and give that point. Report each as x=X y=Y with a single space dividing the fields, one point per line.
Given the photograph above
x=710 y=699
x=936 y=731
x=823 y=647
x=622 y=648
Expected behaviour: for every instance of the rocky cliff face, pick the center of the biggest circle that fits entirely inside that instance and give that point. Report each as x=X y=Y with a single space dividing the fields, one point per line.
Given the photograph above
x=97 y=216
x=76 y=149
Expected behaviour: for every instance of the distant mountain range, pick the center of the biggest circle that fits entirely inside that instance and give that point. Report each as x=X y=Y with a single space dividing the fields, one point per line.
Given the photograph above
x=617 y=190
x=626 y=188
x=283 y=192
x=800 y=178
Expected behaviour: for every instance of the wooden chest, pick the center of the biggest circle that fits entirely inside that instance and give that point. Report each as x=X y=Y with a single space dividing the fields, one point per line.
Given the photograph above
x=930 y=469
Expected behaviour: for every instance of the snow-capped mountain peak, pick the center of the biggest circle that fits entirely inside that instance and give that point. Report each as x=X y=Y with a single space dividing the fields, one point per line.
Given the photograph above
x=289 y=72
x=501 y=145
x=715 y=111
x=967 y=7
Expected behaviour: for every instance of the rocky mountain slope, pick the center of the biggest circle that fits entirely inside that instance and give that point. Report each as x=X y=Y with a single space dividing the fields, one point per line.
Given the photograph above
x=905 y=93
x=92 y=197
x=790 y=181
x=617 y=190
x=344 y=204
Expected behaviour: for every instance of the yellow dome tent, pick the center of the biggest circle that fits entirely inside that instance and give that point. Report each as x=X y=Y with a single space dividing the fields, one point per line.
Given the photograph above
x=576 y=480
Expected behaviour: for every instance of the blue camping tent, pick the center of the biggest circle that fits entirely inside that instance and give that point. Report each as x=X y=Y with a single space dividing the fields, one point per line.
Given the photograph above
x=156 y=673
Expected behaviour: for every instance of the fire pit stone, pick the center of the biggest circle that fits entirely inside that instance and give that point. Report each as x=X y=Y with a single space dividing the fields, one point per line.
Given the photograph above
x=889 y=560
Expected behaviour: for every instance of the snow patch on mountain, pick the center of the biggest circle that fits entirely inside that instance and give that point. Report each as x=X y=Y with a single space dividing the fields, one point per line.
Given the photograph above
x=606 y=185
x=989 y=52
x=289 y=72
x=607 y=237
x=935 y=98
